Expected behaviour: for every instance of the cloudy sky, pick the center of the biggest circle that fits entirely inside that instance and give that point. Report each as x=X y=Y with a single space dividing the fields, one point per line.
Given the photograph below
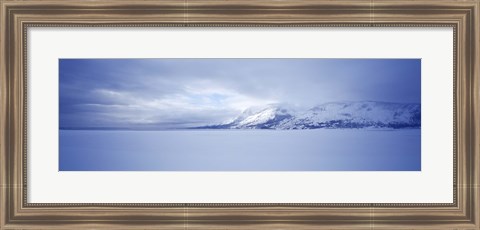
x=176 y=93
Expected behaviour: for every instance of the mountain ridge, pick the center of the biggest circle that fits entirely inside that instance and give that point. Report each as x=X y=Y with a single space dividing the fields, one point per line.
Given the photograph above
x=360 y=114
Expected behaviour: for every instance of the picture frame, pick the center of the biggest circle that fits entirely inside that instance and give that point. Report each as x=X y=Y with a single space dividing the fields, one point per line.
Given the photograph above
x=18 y=16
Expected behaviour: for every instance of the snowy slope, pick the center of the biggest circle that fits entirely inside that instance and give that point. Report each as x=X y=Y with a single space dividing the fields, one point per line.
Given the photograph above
x=266 y=118
x=358 y=115
x=365 y=114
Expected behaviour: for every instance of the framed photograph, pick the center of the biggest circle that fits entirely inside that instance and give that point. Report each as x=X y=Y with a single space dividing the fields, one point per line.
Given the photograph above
x=239 y=114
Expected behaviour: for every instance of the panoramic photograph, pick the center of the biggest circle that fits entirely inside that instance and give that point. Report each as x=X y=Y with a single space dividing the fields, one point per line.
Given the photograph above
x=240 y=114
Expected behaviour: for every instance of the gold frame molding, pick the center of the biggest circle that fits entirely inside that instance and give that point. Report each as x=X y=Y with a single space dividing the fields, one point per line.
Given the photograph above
x=16 y=16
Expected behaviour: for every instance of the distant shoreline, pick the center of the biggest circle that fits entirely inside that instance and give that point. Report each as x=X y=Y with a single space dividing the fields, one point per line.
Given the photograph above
x=200 y=129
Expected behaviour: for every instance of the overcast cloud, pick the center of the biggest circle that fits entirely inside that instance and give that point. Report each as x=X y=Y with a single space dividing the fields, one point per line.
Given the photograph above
x=176 y=93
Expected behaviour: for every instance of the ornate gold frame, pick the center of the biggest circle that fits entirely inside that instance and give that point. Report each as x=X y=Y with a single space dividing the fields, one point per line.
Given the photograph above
x=17 y=16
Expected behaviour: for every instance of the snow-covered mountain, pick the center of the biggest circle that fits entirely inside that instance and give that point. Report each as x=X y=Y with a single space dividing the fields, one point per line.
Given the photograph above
x=365 y=114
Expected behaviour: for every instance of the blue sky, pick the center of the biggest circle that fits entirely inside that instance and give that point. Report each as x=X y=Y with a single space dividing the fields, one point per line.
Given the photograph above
x=177 y=93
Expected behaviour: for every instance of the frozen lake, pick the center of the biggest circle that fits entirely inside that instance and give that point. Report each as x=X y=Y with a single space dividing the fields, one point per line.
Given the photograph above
x=241 y=150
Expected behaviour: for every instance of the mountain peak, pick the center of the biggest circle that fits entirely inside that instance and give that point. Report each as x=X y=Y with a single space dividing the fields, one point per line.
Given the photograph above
x=359 y=114
x=264 y=118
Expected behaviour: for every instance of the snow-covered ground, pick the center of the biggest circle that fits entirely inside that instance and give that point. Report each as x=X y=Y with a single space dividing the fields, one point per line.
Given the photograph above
x=241 y=150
